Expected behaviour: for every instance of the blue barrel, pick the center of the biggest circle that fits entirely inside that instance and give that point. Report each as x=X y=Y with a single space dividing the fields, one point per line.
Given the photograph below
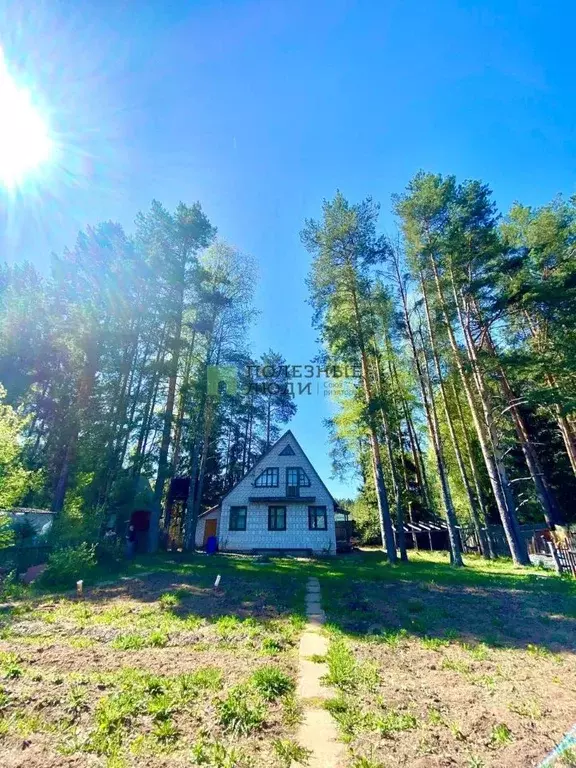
x=211 y=545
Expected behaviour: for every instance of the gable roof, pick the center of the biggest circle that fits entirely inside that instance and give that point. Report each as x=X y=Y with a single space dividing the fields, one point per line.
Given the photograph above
x=288 y=433
x=207 y=511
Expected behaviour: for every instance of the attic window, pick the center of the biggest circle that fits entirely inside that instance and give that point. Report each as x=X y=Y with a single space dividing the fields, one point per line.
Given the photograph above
x=268 y=478
x=288 y=451
x=296 y=477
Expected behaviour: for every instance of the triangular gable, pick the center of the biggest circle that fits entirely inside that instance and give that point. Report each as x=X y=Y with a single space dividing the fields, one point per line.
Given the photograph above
x=288 y=451
x=259 y=465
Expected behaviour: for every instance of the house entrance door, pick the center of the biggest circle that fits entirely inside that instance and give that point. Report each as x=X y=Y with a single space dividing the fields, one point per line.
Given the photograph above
x=210 y=527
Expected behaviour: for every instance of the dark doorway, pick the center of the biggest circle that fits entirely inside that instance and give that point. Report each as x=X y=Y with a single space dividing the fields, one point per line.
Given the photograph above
x=140 y=519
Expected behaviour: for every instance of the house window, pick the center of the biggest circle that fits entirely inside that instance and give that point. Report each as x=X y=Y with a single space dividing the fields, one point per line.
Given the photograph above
x=276 y=518
x=288 y=451
x=237 y=519
x=317 y=519
x=295 y=476
x=268 y=478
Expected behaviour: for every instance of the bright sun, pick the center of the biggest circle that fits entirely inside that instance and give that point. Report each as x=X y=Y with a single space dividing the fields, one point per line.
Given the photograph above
x=25 y=141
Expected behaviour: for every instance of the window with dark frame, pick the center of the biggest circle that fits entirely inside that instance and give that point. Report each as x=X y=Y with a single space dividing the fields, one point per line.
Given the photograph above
x=296 y=477
x=276 y=518
x=268 y=479
x=237 y=520
x=317 y=519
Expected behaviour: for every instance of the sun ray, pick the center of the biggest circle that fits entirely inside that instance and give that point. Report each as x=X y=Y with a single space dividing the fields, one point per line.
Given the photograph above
x=25 y=141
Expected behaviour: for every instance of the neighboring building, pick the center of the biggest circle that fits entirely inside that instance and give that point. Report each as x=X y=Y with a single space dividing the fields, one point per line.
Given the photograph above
x=281 y=504
x=40 y=519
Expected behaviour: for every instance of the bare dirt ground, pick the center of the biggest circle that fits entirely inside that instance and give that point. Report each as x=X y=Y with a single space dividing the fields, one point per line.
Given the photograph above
x=444 y=675
x=150 y=672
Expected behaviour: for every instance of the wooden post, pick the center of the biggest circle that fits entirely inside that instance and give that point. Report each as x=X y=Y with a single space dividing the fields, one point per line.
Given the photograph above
x=555 y=557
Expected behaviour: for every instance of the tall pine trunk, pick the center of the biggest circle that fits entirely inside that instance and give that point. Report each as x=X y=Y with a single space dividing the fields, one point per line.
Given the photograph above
x=543 y=490
x=85 y=390
x=473 y=471
x=429 y=409
x=379 y=484
x=182 y=395
x=417 y=458
x=436 y=437
x=162 y=473
x=484 y=428
x=400 y=537
x=474 y=512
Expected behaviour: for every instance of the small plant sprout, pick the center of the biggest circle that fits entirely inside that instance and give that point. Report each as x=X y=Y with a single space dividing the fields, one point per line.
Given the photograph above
x=289 y=752
x=501 y=735
x=169 y=600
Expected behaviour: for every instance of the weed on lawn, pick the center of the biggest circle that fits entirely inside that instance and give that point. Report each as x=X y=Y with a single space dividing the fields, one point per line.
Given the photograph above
x=242 y=711
x=450 y=653
x=141 y=671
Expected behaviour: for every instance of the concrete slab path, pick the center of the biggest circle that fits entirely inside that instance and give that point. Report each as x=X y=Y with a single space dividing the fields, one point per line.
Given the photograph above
x=318 y=731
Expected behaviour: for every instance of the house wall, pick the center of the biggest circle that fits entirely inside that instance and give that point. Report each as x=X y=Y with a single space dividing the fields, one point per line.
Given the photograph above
x=297 y=535
x=200 y=527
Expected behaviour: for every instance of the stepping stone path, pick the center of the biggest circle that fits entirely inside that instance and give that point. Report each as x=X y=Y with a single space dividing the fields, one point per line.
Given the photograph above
x=318 y=731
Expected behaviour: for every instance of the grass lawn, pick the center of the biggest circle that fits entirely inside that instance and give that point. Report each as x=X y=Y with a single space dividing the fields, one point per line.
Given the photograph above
x=435 y=667
x=155 y=670
x=432 y=666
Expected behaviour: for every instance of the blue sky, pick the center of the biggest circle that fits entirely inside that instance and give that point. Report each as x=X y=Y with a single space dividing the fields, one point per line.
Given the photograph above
x=261 y=109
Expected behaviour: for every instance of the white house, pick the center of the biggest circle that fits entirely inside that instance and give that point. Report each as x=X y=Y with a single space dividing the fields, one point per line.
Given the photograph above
x=281 y=504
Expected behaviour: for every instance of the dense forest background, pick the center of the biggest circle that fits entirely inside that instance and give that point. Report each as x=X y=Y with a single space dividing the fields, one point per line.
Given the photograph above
x=104 y=366
x=462 y=327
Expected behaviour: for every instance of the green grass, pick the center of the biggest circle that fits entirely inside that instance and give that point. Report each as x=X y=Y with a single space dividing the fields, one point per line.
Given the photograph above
x=288 y=751
x=272 y=683
x=345 y=672
x=365 y=762
x=435 y=717
x=501 y=735
x=10 y=667
x=424 y=567
x=169 y=600
x=242 y=711
x=567 y=759
x=394 y=721
x=215 y=754
x=351 y=719
x=434 y=643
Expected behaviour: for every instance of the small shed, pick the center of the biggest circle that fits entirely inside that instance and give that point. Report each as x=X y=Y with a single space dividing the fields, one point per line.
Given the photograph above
x=343 y=529
x=207 y=525
x=40 y=519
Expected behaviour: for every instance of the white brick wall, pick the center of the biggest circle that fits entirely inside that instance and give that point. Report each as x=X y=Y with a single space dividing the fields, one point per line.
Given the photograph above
x=257 y=536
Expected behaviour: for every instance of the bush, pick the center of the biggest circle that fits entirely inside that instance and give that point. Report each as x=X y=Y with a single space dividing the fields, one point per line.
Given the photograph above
x=7 y=535
x=68 y=564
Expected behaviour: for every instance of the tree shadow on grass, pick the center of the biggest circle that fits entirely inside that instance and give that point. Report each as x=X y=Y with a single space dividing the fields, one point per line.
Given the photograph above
x=514 y=610
x=184 y=589
x=363 y=594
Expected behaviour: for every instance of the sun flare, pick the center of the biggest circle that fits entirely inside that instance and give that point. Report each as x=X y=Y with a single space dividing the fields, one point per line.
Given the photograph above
x=25 y=142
